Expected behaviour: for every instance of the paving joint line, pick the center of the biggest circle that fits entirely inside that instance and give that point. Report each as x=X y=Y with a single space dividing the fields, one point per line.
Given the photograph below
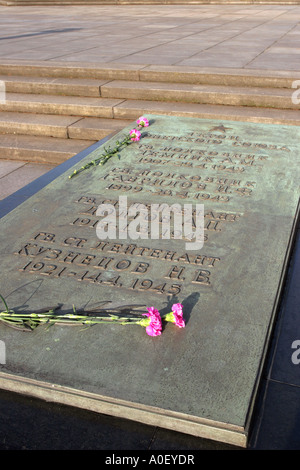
x=269 y=47
x=275 y=42
x=19 y=167
x=229 y=38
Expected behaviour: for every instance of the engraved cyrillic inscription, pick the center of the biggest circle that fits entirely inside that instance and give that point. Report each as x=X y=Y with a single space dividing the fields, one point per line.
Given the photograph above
x=108 y=260
x=214 y=221
x=160 y=183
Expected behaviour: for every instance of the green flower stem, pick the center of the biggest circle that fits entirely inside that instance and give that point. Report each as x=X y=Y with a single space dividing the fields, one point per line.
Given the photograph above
x=110 y=152
x=33 y=320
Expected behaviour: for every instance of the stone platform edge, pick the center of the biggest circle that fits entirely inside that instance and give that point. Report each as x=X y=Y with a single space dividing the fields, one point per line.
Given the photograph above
x=149 y=415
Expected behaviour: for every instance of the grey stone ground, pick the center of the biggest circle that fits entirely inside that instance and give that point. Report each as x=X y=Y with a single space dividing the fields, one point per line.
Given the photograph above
x=243 y=36
x=235 y=36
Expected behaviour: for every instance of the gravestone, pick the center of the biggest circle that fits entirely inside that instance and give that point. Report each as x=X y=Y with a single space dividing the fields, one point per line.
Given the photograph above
x=201 y=379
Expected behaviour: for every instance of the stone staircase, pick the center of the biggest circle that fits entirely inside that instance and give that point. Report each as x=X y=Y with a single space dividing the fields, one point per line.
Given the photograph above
x=52 y=111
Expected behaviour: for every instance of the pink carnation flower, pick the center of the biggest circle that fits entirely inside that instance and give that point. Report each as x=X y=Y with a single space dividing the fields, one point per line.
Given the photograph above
x=178 y=315
x=155 y=326
x=135 y=135
x=142 y=122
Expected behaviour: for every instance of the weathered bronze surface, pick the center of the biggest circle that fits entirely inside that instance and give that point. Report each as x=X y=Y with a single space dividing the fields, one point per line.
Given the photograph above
x=201 y=379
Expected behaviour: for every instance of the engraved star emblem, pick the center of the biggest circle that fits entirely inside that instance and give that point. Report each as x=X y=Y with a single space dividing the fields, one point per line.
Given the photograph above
x=220 y=128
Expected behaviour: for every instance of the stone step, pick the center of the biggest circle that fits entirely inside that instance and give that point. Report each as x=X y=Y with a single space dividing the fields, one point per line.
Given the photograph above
x=53 y=86
x=55 y=104
x=155 y=73
x=76 y=127
x=182 y=83
x=55 y=69
x=73 y=127
x=116 y=93
x=50 y=150
x=36 y=124
x=218 y=76
x=52 y=111
x=97 y=128
x=201 y=94
x=131 y=109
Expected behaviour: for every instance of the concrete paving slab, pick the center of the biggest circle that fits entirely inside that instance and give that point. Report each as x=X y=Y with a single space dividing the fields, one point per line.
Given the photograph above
x=267 y=61
x=22 y=174
x=7 y=166
x=77 y=33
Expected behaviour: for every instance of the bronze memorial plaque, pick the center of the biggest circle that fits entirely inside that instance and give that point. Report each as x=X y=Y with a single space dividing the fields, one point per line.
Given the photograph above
x=236 y=186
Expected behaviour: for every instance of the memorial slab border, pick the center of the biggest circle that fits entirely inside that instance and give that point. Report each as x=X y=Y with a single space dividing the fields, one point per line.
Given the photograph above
x=181 y=422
